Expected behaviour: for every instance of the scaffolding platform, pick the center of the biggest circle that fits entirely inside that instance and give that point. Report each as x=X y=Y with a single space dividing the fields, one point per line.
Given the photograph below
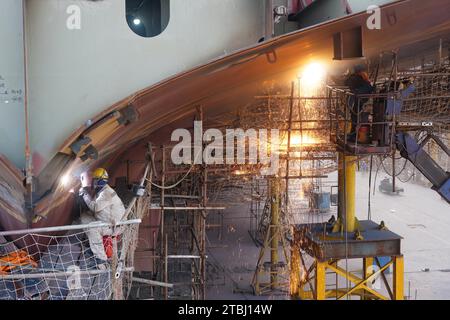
x=328 y=249
x=357 y=149
x=319 y=242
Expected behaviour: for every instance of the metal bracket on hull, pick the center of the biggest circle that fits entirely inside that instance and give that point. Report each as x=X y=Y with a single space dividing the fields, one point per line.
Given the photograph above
x=128 y=115
x=90 y=153
x=79 y=144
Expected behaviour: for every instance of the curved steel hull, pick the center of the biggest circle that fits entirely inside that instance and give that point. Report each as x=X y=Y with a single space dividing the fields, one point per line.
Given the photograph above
x=219 y=86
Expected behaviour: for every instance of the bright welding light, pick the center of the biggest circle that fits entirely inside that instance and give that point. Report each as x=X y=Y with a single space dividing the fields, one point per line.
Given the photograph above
x=302 y=140
x=137 y=21
x=313 y=75
x=65 y=180
x=239 y=172
x=299 y=140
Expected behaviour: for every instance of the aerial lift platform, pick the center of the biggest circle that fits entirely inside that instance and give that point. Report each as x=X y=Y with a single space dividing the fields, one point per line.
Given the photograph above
x=346 y=238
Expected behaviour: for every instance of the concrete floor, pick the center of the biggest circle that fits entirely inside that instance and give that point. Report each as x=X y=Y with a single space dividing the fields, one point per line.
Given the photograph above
x=419 y=215
x=423 y=219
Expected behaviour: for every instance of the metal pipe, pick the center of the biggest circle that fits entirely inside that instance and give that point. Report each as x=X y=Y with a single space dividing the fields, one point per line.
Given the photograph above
x=163 y=237
x=68 y=228
x=203 y=216
x=166 y=266
x=176 y=196
x=58 y=274
x=188 y=208
x=28 y=160
x=306 y=177
x=274 y=231
x=291 y=110
x=152 y=282
x=183 y=257
x=310 y=158
x=288 y=97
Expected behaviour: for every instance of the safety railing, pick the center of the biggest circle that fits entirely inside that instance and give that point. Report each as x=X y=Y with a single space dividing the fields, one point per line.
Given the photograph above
x=360 y=124
x=368 y=123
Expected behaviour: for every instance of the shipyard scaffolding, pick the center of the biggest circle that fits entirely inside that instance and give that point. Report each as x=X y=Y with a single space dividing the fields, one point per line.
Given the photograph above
x=180 y=194
x=277 y=201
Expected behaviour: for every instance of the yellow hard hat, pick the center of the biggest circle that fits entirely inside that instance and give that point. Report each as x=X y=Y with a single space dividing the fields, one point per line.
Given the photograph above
x=100 y=173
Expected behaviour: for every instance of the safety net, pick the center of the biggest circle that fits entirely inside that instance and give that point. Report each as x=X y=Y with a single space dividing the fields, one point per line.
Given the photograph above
x=58 y=264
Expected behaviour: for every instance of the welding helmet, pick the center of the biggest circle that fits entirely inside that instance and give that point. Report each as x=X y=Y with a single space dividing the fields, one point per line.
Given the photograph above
x=99 y=179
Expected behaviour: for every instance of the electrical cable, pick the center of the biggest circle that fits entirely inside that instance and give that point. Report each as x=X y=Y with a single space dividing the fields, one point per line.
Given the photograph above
x=180 y=181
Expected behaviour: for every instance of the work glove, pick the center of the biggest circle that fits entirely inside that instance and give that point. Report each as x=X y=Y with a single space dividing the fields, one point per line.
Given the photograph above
x=82 y=192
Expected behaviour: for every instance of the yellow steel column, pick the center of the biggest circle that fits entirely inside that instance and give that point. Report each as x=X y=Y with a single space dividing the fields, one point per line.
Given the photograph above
x=398 y=278
x=274 y=231
x=294 y=280
x=368 y=266
x=367 y=270
x=320 y=280
x=347 y=193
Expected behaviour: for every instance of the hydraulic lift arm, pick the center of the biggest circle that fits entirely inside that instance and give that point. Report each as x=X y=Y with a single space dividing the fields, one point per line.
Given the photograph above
x=411 y=150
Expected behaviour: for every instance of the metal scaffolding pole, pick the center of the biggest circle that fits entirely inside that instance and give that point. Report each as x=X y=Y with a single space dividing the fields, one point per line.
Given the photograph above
x=274 y=231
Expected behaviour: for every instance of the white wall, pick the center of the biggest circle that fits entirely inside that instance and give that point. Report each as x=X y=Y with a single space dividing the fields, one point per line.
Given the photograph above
x=359 y=6
x=12 y=128
x=75 y=74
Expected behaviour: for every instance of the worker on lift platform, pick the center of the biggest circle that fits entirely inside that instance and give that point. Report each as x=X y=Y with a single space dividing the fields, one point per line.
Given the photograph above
x=403 y=90
x=359 y=84
x=105 y=206
x=386 y=108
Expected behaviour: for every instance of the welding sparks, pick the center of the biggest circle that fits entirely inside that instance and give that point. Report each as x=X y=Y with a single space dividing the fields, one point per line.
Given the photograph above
x=298 y=141
x=239 y=172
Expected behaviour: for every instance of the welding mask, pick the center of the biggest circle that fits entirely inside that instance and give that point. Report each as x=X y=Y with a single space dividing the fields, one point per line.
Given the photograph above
x=99 y=179
x=98 y=184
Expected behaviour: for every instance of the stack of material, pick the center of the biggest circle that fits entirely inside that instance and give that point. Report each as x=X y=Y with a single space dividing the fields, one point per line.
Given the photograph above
x=7 y=290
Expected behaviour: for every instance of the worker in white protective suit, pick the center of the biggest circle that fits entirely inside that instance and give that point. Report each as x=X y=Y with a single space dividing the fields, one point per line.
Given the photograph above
x=105 y=206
